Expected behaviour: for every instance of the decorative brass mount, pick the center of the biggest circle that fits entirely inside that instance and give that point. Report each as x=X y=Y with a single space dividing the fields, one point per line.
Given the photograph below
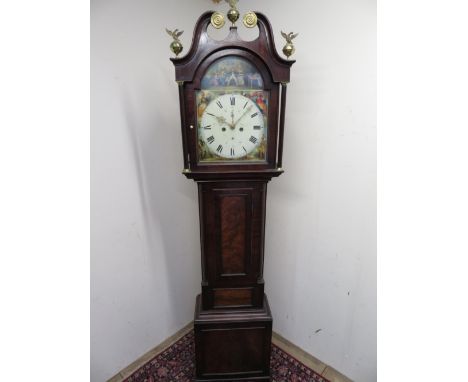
x=233 y=14
x=250 y=19
x=289 y=48
x=217 y=20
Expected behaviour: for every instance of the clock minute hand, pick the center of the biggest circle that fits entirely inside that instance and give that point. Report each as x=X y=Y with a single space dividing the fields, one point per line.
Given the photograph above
x=242 y=116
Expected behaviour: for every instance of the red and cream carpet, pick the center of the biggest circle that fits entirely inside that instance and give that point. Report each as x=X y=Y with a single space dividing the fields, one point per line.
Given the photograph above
x=176 y=364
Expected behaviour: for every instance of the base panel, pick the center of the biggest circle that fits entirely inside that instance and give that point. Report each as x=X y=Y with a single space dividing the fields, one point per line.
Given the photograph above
x=266 y=379
x=234 y=344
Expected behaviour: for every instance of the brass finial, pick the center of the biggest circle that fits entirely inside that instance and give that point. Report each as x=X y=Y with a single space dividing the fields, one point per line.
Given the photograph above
x=233 y=14
x=176 y=45
x=250 y=20
x=289 y=48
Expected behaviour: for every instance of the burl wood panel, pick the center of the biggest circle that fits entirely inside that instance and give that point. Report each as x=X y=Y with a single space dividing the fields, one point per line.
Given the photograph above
x=232 y=234
x=233 y=297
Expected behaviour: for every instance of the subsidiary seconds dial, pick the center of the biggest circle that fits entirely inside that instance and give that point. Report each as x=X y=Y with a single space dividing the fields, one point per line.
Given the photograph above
x=232 y=126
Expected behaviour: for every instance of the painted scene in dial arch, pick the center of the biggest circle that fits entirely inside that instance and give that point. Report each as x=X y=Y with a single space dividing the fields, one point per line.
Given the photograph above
x=232 y=72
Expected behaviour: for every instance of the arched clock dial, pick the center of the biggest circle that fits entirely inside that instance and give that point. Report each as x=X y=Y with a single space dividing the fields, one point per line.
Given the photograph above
x=232 y=126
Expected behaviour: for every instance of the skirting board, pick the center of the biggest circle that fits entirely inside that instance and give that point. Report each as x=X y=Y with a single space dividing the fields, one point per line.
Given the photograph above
x=310 y=361
x=134 y=366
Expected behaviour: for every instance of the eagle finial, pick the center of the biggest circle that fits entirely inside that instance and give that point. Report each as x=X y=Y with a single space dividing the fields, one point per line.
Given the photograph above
x=289 y=48
x=176 y=45
x=175 y=34
x=289 y=37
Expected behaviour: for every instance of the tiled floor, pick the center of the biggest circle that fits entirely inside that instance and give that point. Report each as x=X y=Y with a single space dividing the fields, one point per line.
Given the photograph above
x=307 y=359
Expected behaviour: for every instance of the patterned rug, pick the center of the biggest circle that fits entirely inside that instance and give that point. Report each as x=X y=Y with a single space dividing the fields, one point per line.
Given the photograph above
x=177 y=364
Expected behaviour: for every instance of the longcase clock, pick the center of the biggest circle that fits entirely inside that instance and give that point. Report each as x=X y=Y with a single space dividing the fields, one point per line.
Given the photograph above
x=232 y=101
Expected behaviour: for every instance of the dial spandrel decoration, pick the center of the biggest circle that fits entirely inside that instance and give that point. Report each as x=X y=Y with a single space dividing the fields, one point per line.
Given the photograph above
x=232 y=110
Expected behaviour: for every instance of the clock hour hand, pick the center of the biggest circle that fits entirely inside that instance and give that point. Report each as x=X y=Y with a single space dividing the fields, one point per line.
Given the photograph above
x=221 y=120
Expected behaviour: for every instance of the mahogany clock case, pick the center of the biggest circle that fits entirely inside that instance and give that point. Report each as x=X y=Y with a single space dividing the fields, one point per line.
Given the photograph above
x=233 y=321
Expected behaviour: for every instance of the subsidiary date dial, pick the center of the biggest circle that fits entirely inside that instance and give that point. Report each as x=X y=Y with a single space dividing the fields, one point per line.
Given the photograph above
x=232 y=126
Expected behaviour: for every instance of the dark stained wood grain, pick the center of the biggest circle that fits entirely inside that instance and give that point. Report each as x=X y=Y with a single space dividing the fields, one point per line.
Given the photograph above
x=233 y=345
x=284 y=88
x=232 y=297
x=183 y=125
x=229 y=175
x=247 y=268
x=239 y=353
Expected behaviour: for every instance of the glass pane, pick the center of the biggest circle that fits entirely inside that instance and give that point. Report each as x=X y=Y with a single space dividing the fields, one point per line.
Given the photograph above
x=234 y=72
x=232 y=112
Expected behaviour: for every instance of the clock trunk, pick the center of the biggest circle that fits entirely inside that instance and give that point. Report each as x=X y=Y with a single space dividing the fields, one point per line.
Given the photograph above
x=232 y=221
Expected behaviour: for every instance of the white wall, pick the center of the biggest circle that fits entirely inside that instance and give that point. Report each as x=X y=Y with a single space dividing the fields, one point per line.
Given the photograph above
x=321 y=216
x=145 y=251
x=320 y=264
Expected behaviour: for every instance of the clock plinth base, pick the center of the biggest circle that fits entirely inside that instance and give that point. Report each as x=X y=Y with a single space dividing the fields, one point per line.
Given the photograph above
x=233 y=344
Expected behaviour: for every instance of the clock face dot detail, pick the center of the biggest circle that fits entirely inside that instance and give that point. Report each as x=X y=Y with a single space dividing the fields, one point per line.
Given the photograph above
x=236 y=126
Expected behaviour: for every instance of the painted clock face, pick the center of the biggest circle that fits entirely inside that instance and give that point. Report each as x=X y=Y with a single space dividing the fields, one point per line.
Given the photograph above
x=232 y=113
x=232 y=126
